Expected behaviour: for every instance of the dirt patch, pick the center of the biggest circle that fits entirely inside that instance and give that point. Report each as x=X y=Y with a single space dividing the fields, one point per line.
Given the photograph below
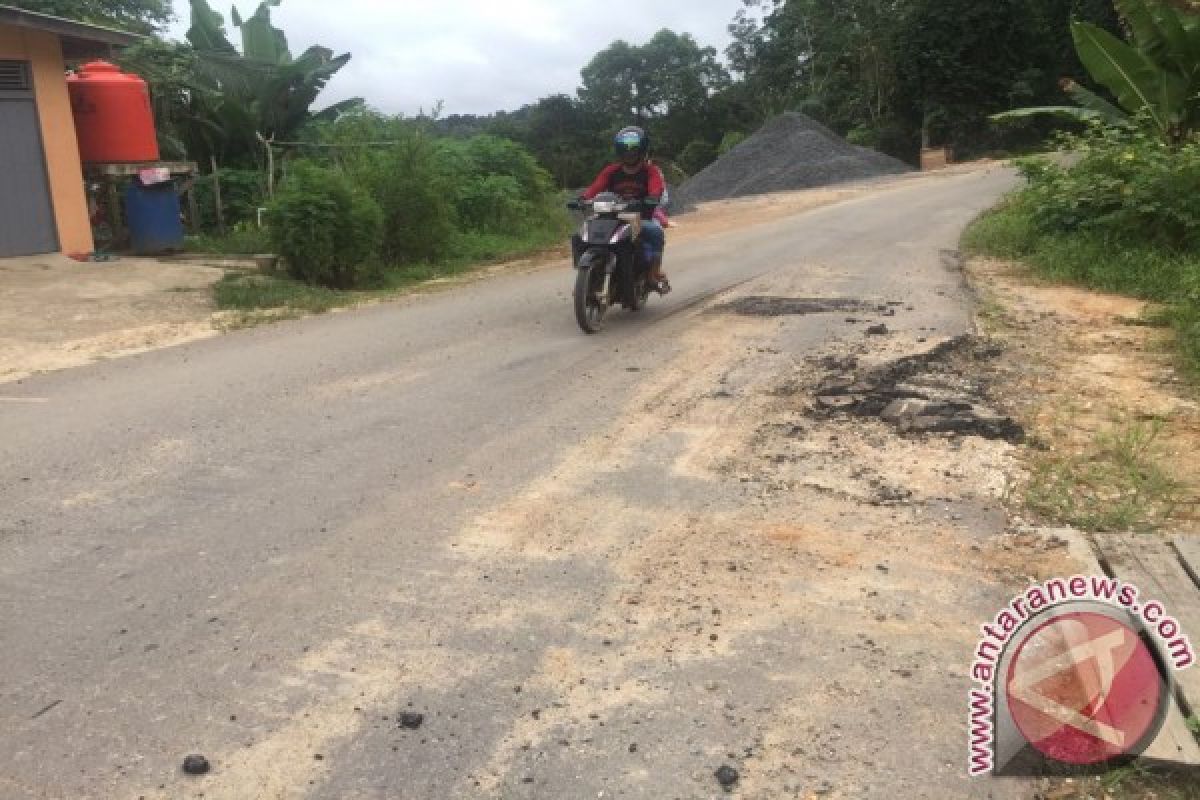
x=1093 y=383
x=57 y=313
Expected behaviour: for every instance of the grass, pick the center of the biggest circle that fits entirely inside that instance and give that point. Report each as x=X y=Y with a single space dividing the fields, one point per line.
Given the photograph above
x=1115 y=484
x=1137 y=782
x=241 y=241
x=1096 y=261
x=255 y=299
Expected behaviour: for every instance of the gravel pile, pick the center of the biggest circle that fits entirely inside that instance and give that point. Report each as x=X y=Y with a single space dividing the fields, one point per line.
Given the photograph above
x=791 y=151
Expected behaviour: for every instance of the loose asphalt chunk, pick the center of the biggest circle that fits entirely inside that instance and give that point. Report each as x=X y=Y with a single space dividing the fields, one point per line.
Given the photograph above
x=196 y=765
x=942 y=391
x=728 y=777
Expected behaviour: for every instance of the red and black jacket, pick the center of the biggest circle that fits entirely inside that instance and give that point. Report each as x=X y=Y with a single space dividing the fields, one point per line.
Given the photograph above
x=647 y=182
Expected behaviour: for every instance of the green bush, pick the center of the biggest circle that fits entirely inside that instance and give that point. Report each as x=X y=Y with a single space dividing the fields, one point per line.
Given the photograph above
x=1099 y=259
x=492 y=204
x=328 y=233
x=416 y=198
x=447 y=199
x=730 y=141
x=696 y=156
x=1128 y=185
x=499 y=186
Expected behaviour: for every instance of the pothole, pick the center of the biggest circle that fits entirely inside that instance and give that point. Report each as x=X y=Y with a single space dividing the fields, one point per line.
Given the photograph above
x=792 y=306
x=942 y=391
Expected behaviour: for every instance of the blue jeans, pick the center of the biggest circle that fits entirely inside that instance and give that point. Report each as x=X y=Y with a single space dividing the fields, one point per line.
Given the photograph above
x=654 y=241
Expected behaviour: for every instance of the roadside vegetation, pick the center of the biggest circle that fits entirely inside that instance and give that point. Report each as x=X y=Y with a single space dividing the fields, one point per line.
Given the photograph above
x=1117 y=482
x=456 y=190
x=1117 y=211
x=1125 y=217
x=1132 y=783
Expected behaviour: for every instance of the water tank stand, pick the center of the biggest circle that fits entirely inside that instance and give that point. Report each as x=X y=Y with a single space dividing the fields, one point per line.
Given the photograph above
x=111 y=177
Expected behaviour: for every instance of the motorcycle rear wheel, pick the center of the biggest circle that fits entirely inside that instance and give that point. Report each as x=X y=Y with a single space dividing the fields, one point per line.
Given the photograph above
x=589 y=309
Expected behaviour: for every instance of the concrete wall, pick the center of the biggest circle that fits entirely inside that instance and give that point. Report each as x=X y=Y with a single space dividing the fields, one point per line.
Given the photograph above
x=67 y=193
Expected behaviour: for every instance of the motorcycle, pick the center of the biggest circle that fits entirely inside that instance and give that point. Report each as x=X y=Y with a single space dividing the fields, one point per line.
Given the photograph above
x=609 y=263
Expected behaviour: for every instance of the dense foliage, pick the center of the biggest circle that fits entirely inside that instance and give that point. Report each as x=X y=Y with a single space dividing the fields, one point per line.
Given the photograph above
x=1155 y=74
x=327 y=231
x=135 y=16
x=1129 y=185
x=1123 y=218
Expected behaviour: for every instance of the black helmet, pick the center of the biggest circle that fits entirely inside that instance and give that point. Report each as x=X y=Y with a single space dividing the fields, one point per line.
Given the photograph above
x=632 y=140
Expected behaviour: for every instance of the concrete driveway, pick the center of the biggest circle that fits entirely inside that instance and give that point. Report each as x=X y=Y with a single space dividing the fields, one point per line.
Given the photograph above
x=57 y=313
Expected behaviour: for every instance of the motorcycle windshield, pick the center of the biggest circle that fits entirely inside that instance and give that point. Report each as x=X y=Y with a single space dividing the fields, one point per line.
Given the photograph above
x=600 y=231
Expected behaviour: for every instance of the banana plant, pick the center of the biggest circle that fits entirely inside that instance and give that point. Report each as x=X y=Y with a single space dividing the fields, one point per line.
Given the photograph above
x=1155 y=75
x=260 y=92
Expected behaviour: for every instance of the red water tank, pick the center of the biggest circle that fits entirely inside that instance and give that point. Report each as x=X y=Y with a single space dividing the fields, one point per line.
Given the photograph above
x=113 y=117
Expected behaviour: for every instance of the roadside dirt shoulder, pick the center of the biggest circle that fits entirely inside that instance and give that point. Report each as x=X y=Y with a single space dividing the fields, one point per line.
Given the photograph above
x=1115 y=426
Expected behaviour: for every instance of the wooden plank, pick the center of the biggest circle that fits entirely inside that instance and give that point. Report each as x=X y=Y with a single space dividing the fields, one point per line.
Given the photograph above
x=1175 y=744
x=1188 y=548
x=130 y=169
x=1152 y=565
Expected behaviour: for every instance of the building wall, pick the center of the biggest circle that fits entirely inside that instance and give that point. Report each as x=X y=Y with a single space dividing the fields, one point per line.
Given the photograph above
x=67 y=193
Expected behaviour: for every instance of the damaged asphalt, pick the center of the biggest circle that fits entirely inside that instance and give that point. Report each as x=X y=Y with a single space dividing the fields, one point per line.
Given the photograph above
x=450 y=548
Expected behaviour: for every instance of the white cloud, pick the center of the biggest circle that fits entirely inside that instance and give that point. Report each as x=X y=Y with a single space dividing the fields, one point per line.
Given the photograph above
x=477 y=56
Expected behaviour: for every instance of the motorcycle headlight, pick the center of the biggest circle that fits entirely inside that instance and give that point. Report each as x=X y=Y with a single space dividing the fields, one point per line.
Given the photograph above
x=604 y=207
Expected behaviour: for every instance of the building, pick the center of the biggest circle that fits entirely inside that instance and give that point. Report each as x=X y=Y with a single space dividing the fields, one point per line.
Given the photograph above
x=43 y=202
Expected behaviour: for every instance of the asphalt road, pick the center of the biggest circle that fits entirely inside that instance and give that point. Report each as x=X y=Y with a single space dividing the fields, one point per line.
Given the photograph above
x=242 y=547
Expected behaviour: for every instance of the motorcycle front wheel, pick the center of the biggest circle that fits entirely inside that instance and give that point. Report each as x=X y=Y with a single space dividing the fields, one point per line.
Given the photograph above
x=590 y=308
x=641 y=293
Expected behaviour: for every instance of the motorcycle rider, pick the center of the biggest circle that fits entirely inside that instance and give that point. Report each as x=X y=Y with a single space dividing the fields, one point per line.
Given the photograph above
x=636 y=178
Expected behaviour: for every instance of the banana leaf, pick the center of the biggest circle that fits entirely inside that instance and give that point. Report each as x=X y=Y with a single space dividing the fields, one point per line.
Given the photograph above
x=1075 y=113
x=207 y=33
x=1138 y=83
x=261 y=40
x=1159 y=32
x=1091 y=101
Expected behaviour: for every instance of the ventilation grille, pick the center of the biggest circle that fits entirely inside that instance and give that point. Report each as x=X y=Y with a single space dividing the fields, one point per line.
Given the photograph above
x=14 y=76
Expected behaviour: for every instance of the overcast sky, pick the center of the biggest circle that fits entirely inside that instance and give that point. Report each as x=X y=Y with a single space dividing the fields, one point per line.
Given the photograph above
x=478 y=56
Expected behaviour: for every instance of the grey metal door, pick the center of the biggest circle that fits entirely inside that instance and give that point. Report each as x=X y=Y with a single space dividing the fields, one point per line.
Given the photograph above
x=26 y=215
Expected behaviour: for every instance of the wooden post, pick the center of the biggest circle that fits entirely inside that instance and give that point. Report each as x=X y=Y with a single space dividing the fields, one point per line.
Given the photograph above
x=116 y=220
x=216 y=175
x=270 y=164
x=193 y=205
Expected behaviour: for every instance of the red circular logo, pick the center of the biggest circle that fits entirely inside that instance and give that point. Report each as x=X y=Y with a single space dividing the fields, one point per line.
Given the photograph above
x=1084 y=688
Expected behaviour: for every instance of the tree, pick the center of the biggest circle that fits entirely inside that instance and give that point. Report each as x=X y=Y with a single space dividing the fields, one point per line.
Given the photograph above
x=1156 y=74
x=963 y=61
x=834 y=59
x=261 y=93
x=135 y=16
x=561 y=133
x=664 y=85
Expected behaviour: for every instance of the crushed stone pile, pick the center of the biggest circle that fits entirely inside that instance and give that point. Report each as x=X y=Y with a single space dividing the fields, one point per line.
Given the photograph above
x=792 y=151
